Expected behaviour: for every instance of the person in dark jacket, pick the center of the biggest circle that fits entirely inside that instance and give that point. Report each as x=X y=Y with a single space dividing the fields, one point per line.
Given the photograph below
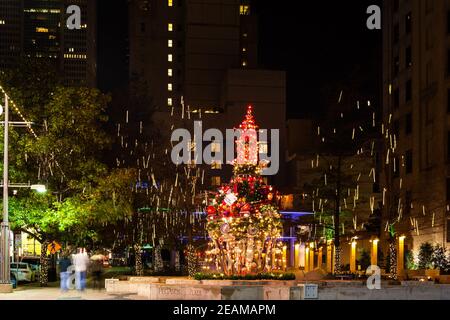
x=64 y=263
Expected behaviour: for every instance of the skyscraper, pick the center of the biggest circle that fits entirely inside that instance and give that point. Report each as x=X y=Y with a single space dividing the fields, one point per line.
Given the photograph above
x=37 y=29
x=416 y=96
x=190 y=44
x=205 y=52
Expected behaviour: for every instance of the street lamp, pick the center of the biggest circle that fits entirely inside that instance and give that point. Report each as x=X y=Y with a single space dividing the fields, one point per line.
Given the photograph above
x=38 y=188
x=5 y=277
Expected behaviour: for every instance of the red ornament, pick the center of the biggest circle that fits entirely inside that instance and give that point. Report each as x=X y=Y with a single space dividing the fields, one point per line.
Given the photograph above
x=210 y=210
x=246 y=207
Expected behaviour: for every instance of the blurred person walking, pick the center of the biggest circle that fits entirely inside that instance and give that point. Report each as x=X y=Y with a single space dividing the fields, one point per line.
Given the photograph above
x=64 y=263
x=97 y=270
x=81 y=262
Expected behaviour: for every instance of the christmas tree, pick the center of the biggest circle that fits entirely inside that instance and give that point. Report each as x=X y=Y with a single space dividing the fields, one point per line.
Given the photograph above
x=243 y=219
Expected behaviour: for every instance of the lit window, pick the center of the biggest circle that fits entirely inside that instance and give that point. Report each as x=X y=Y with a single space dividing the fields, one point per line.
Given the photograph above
x=170 y=72
x=41 y=30
x=169 y=102
x=263 y=147
x=244 y=10
x=245 y=35
x=2 y=22
x=244 y=49
x=170 y=3
x=170 y=27
x=170 y=43
x=216 y=165
x=169 y=86
x=215 y=181
x=215 y=147
x=244 y=63
x=170 y=58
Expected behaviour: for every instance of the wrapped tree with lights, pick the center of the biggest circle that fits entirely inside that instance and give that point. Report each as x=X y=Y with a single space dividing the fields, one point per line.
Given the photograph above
x=243 y=219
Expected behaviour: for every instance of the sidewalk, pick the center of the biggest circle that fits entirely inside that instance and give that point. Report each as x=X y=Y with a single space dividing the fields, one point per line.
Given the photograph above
x=49 y=293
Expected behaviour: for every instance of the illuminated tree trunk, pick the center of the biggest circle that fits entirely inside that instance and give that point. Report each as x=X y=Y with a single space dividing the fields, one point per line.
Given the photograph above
x=337 y=212
x=191 y=260
x=138 y=260
x=393 y=259
x=158 y=259
x=43 y=274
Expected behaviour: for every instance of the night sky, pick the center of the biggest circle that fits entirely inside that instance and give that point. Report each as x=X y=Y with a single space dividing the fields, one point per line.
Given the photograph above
x=321 y=45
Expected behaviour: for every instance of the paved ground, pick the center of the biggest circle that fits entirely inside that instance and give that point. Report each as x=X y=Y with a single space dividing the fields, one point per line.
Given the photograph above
x=53 y=293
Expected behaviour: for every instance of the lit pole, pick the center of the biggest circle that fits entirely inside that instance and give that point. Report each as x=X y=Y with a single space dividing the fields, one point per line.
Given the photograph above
x=5 y=272
x=5 y=275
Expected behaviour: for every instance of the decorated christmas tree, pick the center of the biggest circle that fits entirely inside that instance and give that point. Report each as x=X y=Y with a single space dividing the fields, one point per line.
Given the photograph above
x=243 y=219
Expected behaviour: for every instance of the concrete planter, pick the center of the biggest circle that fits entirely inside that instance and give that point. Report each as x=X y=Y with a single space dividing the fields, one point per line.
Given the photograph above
x=433 y=274
x=444 y=279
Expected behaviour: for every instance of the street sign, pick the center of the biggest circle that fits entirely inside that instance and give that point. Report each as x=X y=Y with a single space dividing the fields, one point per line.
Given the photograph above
x=17 y=241
x=53 y=247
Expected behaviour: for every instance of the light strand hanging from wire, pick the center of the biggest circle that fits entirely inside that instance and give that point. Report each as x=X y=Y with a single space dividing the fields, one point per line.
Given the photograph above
x=13 y=104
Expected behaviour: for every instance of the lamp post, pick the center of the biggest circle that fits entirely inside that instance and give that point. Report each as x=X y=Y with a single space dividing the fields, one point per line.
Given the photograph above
x=5 y=275
x=4 y=266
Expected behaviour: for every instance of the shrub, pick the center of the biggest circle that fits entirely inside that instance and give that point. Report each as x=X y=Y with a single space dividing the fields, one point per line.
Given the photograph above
x=364 y=259
x=425 y=256
x=259 y=276
x=410 y=263
x=439 y=258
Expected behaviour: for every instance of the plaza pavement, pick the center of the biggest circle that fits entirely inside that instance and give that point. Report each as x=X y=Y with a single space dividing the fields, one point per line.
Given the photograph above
x=53 y=293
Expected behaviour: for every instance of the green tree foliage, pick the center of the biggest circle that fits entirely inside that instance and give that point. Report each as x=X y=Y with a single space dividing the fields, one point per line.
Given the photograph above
x=425 y=256
x=63 y=153
x=439 y=257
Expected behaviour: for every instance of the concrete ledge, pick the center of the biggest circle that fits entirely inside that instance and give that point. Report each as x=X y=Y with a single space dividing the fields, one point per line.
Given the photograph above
x=144 y=279
x=217 y=290
x=242 y=293
x=175 y=292
x=6 y=288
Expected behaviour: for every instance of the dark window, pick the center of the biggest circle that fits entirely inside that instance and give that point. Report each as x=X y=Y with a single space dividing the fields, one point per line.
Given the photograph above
x=142 y=27
x=408 y=201
x=408 y=125
x=448 y=189
x=448 y=62
x=396 y=66
x=448 y=146
x=409 y=161
x=408 y=93
x=179 y=27
x=408 y=23
x=396 y=33
x=408 y=57
x=448 y=100
x=396 y=128
x=448 y=230
x=448 y=22
x=396 y=4
x=396 y=98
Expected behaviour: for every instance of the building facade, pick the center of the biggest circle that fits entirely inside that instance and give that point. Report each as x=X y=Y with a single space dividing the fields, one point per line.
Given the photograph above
x=203 y=55
x=416 y=97
x=37 y=29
